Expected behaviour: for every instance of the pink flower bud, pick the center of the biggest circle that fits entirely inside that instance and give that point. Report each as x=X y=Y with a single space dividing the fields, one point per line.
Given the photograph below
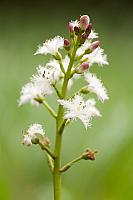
x=89 y=154
x=84 y=66
x=89 y=28
x=84 y=36
x=66 y=43
x=84 y=21
x=76 y=29
x=95 y=45
x=71 y=27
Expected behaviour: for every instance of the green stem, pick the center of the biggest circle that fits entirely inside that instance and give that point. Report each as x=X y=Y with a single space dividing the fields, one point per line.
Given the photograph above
x=59 y=131
x=51 y=111
x=61 y=66
x=57 y=91
x=68 y=165
x=46 y=149
x=57 y=176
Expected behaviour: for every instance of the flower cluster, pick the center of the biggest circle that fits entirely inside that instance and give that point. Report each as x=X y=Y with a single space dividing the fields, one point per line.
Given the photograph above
x=71 y=58
x=82 y=51
x=88 y=53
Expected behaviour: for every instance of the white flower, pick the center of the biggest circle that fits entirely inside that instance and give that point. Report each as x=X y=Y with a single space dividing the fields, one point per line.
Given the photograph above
x=37 y=89
x=51 y=74
x=35 y=128
x=93 y=35
x=97 y=56
x=83 y=48
x=51 y=46
x=27 y=140
x=75 y=23
x=31 y=134
x=56 y=72
x=54 y=64
x=78 y=108
x=96 y=86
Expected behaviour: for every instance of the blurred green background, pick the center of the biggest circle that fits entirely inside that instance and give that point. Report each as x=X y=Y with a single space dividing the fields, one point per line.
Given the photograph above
x=24 y=174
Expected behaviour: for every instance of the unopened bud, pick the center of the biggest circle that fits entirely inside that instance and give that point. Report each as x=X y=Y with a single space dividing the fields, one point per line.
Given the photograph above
x=84 y=36
x=84 y=66
x=84 y=22
x=76 y=30
x=89 y=28
x=66 y=43
x=95 y=45
x=71 y=27
x=89 y=154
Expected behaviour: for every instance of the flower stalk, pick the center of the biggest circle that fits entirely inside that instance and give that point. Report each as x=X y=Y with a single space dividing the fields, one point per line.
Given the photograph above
x=51 y=111
x=70 y=164
x=57 y=91
x=44 y=147
x=59 y=131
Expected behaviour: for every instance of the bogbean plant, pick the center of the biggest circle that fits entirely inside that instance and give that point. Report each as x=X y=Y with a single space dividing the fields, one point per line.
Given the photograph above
x=82 y=50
